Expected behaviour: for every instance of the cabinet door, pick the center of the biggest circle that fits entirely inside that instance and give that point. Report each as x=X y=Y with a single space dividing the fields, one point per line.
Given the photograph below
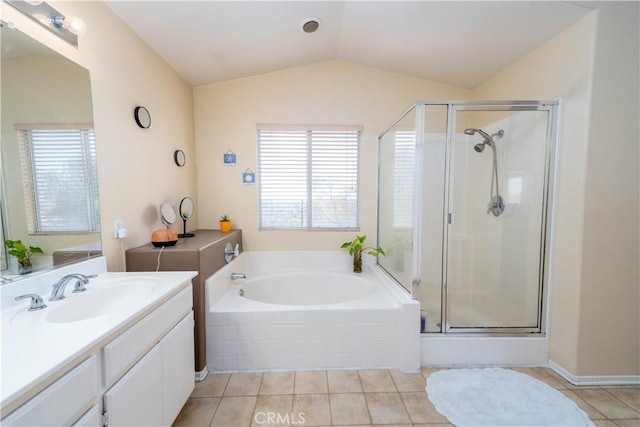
x=136 y=400
x=178 y=375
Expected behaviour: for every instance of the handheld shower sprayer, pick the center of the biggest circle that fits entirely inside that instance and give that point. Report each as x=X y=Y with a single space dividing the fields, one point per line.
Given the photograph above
x=496 y=203
x=472 y=131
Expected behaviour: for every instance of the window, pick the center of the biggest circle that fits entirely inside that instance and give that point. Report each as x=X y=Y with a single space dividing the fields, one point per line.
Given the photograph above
x=308 y=177
x=59 y=178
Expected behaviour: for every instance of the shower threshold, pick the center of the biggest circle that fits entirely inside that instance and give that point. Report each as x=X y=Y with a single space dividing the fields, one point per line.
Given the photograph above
x=484 y=349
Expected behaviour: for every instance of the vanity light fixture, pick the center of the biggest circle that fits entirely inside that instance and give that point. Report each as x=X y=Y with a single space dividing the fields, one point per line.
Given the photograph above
x=67 y=28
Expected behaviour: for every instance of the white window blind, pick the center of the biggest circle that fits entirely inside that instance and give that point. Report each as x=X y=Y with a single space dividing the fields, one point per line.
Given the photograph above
x=404 y=153
x=308 y=178
x=59 y=178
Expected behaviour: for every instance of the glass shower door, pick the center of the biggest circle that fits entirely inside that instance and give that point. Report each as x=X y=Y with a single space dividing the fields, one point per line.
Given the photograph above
x=498 y=169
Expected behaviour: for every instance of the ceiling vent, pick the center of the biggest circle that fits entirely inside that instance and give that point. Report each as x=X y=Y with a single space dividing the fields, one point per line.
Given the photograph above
x=311 y=25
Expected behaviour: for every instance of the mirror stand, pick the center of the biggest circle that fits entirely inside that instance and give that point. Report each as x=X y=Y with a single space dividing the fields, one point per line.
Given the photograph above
x=184 y=229
x=186 y=212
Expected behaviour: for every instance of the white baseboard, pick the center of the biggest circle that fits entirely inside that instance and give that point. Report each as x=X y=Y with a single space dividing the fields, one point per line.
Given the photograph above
x=200 y=376
x=594 y=379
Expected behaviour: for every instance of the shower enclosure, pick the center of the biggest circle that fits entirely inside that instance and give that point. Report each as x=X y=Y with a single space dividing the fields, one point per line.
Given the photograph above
x=465 y=189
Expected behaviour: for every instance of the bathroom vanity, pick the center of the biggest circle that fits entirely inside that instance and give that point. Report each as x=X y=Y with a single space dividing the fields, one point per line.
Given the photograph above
x=120 y=353
x=203 y=253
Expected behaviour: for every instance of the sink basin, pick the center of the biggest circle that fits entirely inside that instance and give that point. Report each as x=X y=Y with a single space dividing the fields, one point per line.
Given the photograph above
x=100 y=301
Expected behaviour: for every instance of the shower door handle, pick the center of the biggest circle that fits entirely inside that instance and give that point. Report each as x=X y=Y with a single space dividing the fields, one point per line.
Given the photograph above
x=450 y=218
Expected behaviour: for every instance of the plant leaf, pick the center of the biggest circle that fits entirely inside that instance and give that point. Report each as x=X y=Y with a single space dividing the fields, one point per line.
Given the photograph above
x=19 y=246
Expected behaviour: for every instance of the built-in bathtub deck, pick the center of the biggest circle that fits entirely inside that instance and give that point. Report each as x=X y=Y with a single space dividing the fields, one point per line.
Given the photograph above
x=378 y=330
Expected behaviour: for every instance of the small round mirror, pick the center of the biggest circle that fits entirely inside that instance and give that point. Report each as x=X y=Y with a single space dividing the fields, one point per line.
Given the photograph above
x=179 y=157
x=142 y=116
x=186 y=208
x=167 y=214
x=186 y=212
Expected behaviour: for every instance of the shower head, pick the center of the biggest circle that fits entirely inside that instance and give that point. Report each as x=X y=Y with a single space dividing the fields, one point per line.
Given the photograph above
x=479 y=147
x=471 y=131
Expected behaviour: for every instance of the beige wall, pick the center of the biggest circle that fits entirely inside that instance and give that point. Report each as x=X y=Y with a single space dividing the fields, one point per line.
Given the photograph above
x=609 y=336
x=594 y=320
x=334 y=92
x=135 y=166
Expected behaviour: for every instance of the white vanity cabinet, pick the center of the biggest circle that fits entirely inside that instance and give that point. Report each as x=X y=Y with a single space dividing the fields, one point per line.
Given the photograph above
x=160 y=379
x=141 y=374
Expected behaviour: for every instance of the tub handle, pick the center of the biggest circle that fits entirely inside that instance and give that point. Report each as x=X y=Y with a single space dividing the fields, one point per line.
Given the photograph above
x=241 y=292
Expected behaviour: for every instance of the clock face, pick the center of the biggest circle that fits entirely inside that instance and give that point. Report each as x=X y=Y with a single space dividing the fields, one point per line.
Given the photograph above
x=142 y=116
x=179 y=157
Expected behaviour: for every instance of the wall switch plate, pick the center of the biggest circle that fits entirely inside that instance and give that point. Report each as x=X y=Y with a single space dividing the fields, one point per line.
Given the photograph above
x=117 y=225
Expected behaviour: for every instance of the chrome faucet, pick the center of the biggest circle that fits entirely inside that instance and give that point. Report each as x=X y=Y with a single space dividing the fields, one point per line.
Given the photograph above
x=58 y=289
x=236 y=276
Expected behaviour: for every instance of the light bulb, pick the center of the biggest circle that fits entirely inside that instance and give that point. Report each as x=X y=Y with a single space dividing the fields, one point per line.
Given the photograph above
x=76 y=25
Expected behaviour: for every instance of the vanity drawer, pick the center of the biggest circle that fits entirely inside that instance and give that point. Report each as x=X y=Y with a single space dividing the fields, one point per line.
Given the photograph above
x=123 y=352
x=63 y=402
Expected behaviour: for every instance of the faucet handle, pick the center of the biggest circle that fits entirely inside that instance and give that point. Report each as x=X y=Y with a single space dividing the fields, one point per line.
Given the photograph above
x=236 y=251
x=79 y=286
x=36 y=301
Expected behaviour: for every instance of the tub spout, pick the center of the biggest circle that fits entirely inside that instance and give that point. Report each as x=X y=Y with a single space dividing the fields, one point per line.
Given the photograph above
x=236 y=276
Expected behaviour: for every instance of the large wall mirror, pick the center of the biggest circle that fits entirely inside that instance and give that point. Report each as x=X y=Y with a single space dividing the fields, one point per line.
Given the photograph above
x=48 y=180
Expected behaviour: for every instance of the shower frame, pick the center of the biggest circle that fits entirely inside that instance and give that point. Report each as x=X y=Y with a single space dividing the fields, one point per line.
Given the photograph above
x=453 y=106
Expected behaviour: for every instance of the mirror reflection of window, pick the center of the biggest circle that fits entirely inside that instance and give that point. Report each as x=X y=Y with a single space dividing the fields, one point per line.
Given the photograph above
x=59 y=174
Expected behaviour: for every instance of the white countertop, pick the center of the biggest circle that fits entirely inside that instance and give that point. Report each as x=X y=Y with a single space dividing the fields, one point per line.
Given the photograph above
x=36 y=351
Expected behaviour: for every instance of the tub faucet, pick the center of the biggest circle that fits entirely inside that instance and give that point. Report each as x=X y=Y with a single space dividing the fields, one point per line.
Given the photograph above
x=236 y=276
x=58 y=289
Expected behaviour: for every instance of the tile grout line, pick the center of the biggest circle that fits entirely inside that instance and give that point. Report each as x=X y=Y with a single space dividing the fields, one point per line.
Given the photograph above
x=603 y=388
x=623 y=403
x=255 y=403
x=220 y=401
x=326 y=372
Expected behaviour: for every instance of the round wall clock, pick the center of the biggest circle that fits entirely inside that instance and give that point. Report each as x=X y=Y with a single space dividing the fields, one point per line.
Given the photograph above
x=142 y=116
x=179 y=157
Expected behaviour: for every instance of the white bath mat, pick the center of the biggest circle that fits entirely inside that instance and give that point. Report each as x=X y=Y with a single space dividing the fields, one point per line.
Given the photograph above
x=500 y=397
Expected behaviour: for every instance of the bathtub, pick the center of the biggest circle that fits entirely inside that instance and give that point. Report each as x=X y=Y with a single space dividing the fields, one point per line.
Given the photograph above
x=308 y=310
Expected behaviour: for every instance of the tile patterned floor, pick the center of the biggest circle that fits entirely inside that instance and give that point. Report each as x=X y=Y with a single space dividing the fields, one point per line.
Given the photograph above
x=382 y=397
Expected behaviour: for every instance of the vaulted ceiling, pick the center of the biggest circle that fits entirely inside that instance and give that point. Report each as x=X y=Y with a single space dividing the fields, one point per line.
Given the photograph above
x=460 y=43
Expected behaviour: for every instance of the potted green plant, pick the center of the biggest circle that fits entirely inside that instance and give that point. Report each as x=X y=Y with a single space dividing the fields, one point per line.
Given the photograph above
x=20 y=251
x=356 y=248
x=225 y=224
